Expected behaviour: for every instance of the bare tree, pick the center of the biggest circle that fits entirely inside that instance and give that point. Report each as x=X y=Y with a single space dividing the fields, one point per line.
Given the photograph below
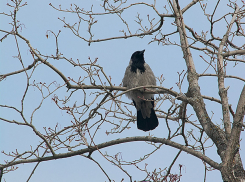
x=103 y=110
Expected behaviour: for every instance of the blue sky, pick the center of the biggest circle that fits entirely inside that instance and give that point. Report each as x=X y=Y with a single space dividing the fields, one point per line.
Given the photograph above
x=37 y=18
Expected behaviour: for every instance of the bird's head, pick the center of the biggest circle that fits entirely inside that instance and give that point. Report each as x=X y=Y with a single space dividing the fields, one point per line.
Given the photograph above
x=138 y=57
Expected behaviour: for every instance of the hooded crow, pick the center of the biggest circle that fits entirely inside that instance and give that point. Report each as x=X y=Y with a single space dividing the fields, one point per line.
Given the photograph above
x=138 y=73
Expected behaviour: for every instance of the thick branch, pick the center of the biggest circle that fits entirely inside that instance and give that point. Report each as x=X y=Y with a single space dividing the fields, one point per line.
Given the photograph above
x=221 y=78
x=234 y=142
x=120 y=141
x=232 y=53
x=214 y=132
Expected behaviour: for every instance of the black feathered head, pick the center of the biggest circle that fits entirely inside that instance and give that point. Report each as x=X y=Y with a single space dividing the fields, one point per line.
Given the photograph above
x=138 y=61
x=138 y=57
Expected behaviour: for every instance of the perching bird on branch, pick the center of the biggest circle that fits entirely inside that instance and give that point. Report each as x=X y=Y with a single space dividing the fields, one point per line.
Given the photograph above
x=138 y=73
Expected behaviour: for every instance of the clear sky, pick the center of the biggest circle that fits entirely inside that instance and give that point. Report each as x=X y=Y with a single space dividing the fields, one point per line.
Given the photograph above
x=36 y=19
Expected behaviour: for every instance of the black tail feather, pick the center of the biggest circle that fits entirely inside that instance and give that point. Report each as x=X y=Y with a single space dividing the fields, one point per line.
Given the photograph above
x=147 y=123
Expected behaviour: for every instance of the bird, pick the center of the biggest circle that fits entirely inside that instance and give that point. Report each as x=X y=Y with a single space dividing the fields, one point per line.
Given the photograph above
x=138 y=73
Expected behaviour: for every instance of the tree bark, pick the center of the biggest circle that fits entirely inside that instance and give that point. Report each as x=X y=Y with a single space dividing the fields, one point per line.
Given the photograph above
x=227 y=142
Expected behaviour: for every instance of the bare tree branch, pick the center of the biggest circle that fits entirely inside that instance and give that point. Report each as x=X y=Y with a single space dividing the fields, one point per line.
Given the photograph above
x=118 y=141
x=221 y=76
x=226 y=76
x=100 y=108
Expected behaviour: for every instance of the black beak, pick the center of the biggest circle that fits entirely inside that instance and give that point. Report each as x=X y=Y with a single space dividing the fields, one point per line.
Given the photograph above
x=142 y=52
